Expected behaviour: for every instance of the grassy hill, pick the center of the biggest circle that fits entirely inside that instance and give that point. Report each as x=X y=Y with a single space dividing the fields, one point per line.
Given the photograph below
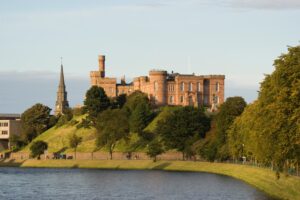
x=58 y=137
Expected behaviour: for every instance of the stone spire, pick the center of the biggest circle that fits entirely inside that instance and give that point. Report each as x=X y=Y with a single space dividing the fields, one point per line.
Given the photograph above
x=62 y=101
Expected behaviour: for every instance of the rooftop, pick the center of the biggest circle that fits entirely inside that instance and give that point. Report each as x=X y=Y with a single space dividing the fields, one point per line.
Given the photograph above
x=9 y=116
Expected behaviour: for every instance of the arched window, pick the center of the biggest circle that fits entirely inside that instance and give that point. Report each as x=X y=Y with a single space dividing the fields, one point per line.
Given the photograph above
x=199 y=87
x=182 y=86
x=190 y=87
x=217 y=86
x=155 y=86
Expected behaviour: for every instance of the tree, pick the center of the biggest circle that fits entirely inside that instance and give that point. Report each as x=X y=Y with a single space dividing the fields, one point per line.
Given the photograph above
x=112 y=126
x=96 y=102
x=140 y=117
x=38 y=148
x=181 y=126
x=229 y=110
x=271 y=125
x=74 y=141
x=121 y=100
x=134 y=99
x=35 y=120
x=155 y=148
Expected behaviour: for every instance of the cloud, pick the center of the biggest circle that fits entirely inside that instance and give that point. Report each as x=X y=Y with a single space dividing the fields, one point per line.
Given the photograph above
x=263 y=4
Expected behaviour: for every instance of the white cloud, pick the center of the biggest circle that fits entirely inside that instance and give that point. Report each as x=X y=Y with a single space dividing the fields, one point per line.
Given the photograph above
x=264 y=4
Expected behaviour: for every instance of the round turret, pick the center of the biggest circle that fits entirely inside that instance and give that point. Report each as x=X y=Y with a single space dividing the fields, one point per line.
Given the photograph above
x=158 y=81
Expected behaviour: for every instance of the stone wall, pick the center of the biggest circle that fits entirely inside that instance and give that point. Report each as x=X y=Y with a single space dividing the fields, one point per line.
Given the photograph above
x=102 y=156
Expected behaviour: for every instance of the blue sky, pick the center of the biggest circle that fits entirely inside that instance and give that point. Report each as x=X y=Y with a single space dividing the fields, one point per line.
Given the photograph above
x=238 y=38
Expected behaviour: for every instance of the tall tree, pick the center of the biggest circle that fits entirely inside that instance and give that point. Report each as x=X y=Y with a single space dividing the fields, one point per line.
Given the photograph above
x=74 y=141
x=112 y=126
x=272 y=123
x=229 y=110
x=96 y=101
x=140 y=117
x=181 y=126
x=35 y=120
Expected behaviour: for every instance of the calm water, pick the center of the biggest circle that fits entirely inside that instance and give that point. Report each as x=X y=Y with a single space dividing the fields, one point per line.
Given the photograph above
x=39 y=184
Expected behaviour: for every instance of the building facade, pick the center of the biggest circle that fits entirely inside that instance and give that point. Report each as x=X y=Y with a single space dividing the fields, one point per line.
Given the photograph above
x=62 y=99
x=165 y=88
x=10 y=124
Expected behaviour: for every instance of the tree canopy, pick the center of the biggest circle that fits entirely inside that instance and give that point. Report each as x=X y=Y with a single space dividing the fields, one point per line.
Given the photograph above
x=112 y=126
x=35 y=120
x=96 y=101
x=182 y=127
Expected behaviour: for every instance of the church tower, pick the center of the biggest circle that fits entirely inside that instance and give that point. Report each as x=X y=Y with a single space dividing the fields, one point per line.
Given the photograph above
x=62 y=101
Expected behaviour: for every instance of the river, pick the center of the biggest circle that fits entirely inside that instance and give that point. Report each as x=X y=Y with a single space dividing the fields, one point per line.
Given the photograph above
x=81 y=184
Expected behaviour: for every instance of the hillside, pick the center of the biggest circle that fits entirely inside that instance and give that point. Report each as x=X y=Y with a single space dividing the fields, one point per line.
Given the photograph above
x=57 y=138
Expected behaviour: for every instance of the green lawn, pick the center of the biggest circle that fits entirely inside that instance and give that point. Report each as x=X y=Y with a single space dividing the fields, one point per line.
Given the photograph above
x=263 y=179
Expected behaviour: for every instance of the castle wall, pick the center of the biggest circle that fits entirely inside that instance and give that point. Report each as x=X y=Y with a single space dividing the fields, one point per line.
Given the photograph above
x=167 y=89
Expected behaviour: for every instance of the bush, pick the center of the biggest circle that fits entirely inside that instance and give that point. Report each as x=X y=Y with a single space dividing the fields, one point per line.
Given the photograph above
x=37 y=148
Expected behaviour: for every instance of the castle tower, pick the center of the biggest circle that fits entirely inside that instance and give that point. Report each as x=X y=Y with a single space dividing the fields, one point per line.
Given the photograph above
x=62 y=101
x=101 y=60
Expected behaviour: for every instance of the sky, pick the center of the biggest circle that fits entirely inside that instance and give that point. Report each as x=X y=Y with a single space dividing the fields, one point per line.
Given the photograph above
x=237 y=38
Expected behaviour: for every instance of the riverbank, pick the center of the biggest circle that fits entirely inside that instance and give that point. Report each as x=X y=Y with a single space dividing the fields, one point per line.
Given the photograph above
x=263 y=179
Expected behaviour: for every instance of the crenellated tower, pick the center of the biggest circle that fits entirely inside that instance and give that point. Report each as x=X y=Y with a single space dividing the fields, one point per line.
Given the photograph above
x=62 y=100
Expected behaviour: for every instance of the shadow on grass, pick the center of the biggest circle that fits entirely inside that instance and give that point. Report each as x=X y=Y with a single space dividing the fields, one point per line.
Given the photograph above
x=11 y=163
x=162 y=165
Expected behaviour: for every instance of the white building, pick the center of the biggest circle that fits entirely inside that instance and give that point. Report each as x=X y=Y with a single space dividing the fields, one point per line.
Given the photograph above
x=10 y=124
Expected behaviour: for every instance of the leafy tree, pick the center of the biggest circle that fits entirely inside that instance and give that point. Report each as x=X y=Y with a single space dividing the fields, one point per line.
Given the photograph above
x=112 y=126
x=35 y=120
x=38 y=148
x=74 y=141
x=229 y=110
x=96 y=101
x=140 y=117
x=155 y=148
x=270 y=126
x=182 y=126
x=120 y=100
x=134 y=99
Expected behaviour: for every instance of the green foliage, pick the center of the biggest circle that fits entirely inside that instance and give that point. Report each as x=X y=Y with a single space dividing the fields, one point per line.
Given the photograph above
x=140 y=117
x=229 y=110
x=96 y=101
x=35 y=120
x=182 y=127
x=85 y=123
x=112 y=126
x=270 y=127
x=37 y=148
x=134 y=99
x=155 y=148
x=78 y=111
x=74 y=141
x=119 y=101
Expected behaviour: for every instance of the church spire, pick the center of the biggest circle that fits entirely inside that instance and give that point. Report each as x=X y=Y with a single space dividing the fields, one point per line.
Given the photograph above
x=62 y=101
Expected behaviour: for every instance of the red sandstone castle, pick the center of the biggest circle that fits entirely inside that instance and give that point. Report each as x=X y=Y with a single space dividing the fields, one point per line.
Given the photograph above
x=165 y=89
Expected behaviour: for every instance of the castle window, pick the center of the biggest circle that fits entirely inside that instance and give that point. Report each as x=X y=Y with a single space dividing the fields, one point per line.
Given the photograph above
x=155 y=86
x=190 y=87
x=217 y=86
x=181 y=99
x=171 y=87
x=199 y=87
x=171 y=99
x=182 y=86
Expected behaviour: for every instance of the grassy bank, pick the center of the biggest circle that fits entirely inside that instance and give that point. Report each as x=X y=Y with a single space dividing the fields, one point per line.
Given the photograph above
x=263 y=179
